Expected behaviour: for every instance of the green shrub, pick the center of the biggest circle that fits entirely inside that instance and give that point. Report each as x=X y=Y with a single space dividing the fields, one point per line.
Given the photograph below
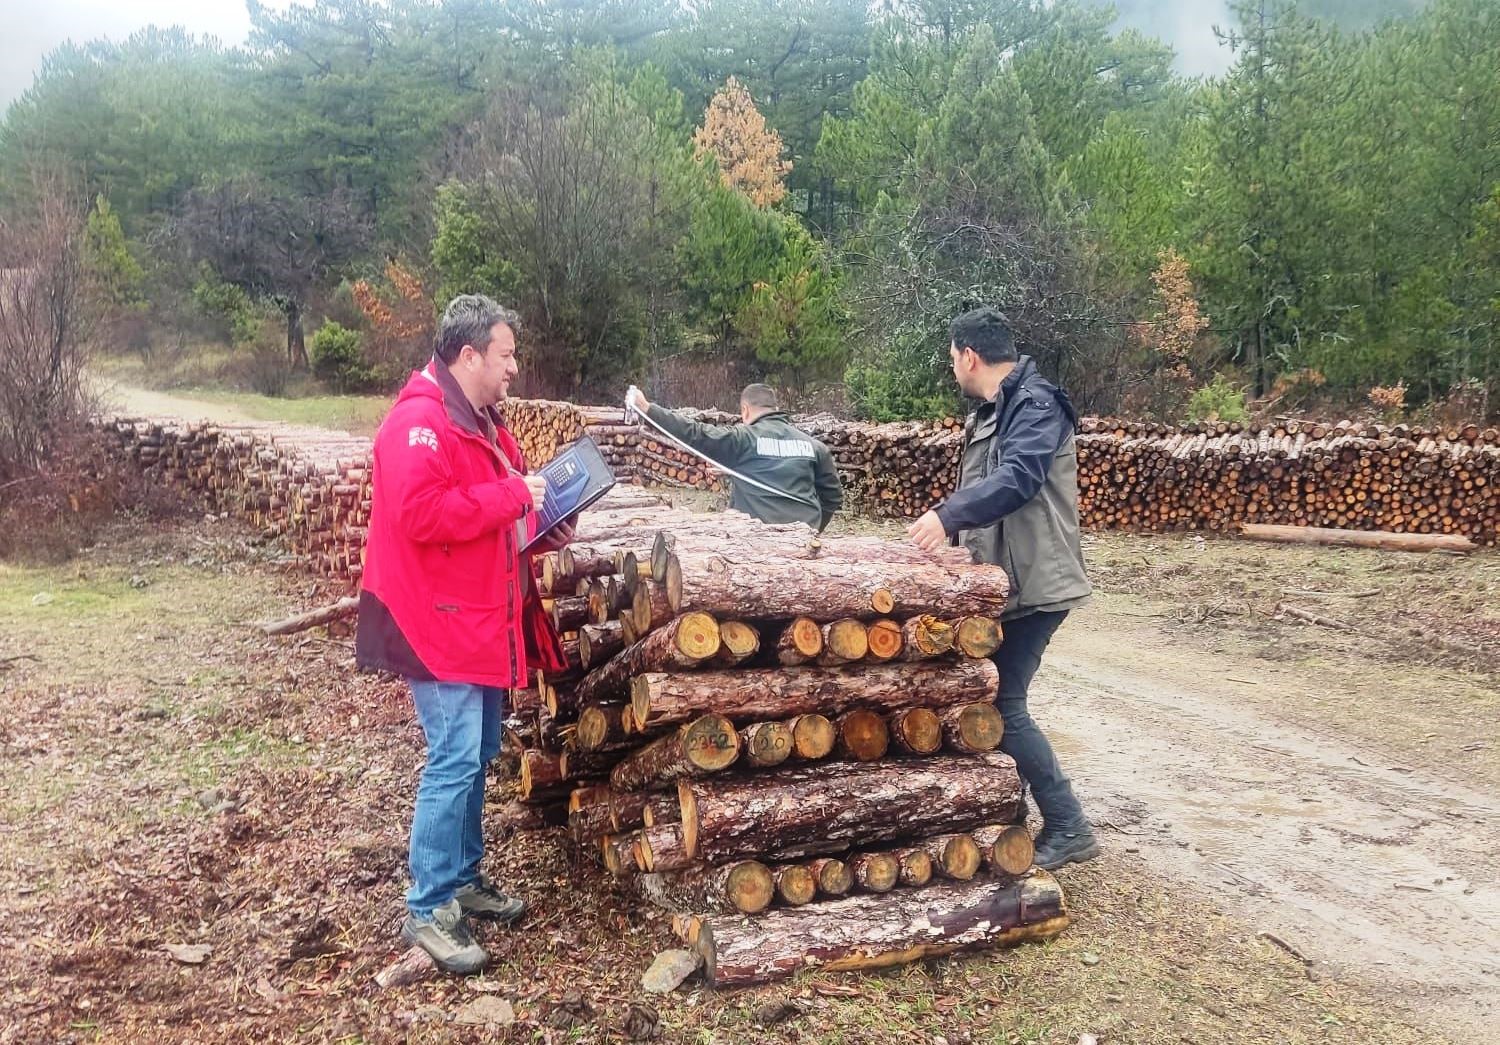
x=337 y=357
x=1217 y=401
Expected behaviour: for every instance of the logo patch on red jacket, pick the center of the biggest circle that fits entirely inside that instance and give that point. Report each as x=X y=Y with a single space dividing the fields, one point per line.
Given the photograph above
x=423 y=437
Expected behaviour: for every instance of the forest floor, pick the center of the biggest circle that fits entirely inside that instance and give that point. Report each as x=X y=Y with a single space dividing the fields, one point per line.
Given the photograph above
x=1300 y=825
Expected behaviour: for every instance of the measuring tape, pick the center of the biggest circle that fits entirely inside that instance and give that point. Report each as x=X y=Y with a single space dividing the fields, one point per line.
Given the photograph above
x=632 y=412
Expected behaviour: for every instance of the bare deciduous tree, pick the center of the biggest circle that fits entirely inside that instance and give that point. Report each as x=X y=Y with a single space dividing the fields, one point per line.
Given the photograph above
x=44 y=319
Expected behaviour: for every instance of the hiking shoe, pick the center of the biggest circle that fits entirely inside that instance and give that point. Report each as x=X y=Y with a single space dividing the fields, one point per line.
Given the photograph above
x=481 y=899
x=446 y=938
x=1065 y=845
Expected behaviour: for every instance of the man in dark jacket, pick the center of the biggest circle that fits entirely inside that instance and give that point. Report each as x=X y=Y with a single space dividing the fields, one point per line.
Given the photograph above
x=447 y=601
x=768 y=449
x=1017 y=507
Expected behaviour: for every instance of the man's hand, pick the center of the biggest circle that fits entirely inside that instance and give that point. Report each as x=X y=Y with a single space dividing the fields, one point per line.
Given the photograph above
x=538 y=487
x=927 y=532
x=638 y=401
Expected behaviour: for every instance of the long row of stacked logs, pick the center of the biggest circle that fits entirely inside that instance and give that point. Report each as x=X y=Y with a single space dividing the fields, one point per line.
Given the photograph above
x=308 y=486
x=1134 y=476
x=760 y=722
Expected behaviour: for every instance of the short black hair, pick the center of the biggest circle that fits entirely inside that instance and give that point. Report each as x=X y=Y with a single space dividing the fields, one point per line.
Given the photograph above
x=987 y=332
x=469 y=319
x=762 y=397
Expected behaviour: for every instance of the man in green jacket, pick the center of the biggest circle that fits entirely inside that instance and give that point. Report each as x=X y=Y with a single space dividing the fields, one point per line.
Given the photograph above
x=1017 y=506
x=768 y=449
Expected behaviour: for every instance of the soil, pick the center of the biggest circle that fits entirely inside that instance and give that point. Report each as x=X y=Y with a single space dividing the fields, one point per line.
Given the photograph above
x=1300 y=824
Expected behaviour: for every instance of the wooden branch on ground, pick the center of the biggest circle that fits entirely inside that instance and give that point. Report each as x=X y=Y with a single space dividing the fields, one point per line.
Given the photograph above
x=345 y=607
x=1383 y=540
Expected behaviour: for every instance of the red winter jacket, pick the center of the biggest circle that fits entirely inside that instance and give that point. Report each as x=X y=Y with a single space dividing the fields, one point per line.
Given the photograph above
x=446 y=592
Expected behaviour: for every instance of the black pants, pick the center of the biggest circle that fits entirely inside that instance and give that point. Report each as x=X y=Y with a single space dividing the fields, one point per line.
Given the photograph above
x=1017 y=659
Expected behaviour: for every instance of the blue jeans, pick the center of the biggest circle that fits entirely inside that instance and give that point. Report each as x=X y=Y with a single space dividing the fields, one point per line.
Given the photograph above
x=1017 y=659
x=463 y=725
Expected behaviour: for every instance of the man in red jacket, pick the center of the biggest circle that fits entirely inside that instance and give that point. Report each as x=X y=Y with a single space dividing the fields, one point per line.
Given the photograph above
x=448 y=602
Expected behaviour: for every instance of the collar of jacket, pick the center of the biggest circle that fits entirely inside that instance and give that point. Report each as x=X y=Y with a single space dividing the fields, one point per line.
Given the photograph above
x=770 y=416
x=461 y=412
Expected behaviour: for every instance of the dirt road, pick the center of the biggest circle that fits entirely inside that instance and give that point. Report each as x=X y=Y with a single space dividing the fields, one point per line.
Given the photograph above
x=1381 y=870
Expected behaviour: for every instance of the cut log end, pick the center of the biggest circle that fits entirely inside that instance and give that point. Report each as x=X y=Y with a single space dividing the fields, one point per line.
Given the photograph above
x=863 y=735
x=796 y=885
x=799 y=642
x=977 y=636
x=884 y=640
x=882 y=601
x=917 y=731
x=833 y=876
x=973 y=728
x=954 y=856
x=750 y=886
x=916 y=867
x=1012 y=851
x=738 y=642
x=766 y=744
x=697 y=636
x=813 y=736
x=844 y=642
x=875 y=872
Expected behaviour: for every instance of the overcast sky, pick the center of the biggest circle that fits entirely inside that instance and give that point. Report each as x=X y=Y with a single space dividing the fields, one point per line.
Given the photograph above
x=30 y=29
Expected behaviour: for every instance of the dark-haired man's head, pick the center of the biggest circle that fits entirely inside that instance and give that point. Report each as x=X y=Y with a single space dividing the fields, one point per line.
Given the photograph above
x=983 y=351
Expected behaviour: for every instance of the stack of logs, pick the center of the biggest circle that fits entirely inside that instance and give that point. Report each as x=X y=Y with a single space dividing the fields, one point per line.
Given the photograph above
x=1349 y=476
x=308 y=486
x=761 y=723
x=1135 y=476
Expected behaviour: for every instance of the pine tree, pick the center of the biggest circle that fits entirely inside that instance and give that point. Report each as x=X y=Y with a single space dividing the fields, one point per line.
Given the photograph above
x=749 y=153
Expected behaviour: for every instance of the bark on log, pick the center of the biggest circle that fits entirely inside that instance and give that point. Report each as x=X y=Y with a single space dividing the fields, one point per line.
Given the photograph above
x=916 y=731
x=570 y=614
x=764 y=693
x=598 y=642
x=820 y=809
x=799 y=642
x=1384 y=541
x=877 y=932
x=348 y=607
x=661 y=807
x=649 y=608
x=972 y=728
x=682 y=644
x=661 y=848
x=708 y=744
x=1006 y=848
x=863 y=735
x=619 y=854
x=766 y=744
x=828 y=591
x=541 y=774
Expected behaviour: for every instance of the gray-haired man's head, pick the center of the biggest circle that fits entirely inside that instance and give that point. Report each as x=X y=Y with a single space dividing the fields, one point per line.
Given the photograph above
x=756 y=400
x=476 y=340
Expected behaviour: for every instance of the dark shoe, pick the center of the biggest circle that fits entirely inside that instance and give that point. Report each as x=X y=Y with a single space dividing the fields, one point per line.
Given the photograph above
x=1065 y=845
x=481 y=899
x=446 y=938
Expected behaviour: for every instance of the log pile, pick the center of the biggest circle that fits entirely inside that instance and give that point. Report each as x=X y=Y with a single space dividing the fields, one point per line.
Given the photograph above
x=1150 y=477
x=789 y=741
